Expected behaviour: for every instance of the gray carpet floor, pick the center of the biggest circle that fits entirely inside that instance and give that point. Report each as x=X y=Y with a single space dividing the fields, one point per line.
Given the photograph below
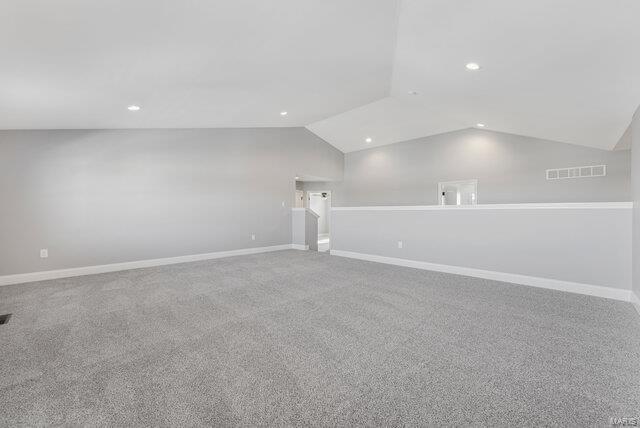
x=302 y=338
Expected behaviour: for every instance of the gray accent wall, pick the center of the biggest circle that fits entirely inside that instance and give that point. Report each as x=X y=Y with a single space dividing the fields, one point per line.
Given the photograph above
x=635 y=153
x=95 y=197
x=509 y=169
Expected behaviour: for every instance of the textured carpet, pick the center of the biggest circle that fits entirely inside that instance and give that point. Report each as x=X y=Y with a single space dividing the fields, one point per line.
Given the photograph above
x=301 y=338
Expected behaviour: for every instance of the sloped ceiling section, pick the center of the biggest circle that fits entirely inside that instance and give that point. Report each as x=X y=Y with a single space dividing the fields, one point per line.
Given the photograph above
x=558 y=70
x=388 y=70
x=191 y=63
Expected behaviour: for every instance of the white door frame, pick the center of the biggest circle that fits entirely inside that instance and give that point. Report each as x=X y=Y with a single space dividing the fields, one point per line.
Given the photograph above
x=443 y=183
x=308 y=194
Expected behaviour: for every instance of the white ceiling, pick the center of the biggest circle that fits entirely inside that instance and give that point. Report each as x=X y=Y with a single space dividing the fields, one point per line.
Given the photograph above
x=565 y=70
x=191 y=63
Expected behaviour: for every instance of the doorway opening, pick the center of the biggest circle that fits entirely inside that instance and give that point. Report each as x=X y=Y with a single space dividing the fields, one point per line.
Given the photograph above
x=462 y=192
x=320 y=203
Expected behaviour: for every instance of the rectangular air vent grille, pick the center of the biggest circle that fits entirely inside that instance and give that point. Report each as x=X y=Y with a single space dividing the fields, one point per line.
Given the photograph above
x=577 y=172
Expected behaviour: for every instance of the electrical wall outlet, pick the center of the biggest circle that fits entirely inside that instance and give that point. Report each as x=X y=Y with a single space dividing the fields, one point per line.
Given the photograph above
x=399 y=244
x=253 y=237
x=44 y=253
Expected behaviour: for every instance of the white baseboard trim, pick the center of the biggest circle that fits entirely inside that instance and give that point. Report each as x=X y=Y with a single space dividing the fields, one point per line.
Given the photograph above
x=635 y=301
x=534 y=281
x=90 y=270
x=300 y=247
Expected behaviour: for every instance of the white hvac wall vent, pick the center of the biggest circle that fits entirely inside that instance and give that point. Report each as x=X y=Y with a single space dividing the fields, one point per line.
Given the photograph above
x=577 y=172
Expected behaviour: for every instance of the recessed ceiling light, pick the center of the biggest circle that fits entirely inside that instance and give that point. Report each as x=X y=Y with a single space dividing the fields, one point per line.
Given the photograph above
x=413 y=92
x=473 y=66
x=480 y=125
x=297 y=177
x=133 y=108
x=368 y=139
x=283 y=113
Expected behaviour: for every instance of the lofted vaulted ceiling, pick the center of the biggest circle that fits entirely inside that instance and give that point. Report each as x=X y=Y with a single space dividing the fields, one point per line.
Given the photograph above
x=191 y=63
x=564 y=70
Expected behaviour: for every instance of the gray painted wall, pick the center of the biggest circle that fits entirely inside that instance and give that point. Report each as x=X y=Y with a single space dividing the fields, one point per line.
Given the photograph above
x=298 y=228
x=510 y=169
x=311 y=230
x=107 y=196
x=635 y=153
x=588 y=246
